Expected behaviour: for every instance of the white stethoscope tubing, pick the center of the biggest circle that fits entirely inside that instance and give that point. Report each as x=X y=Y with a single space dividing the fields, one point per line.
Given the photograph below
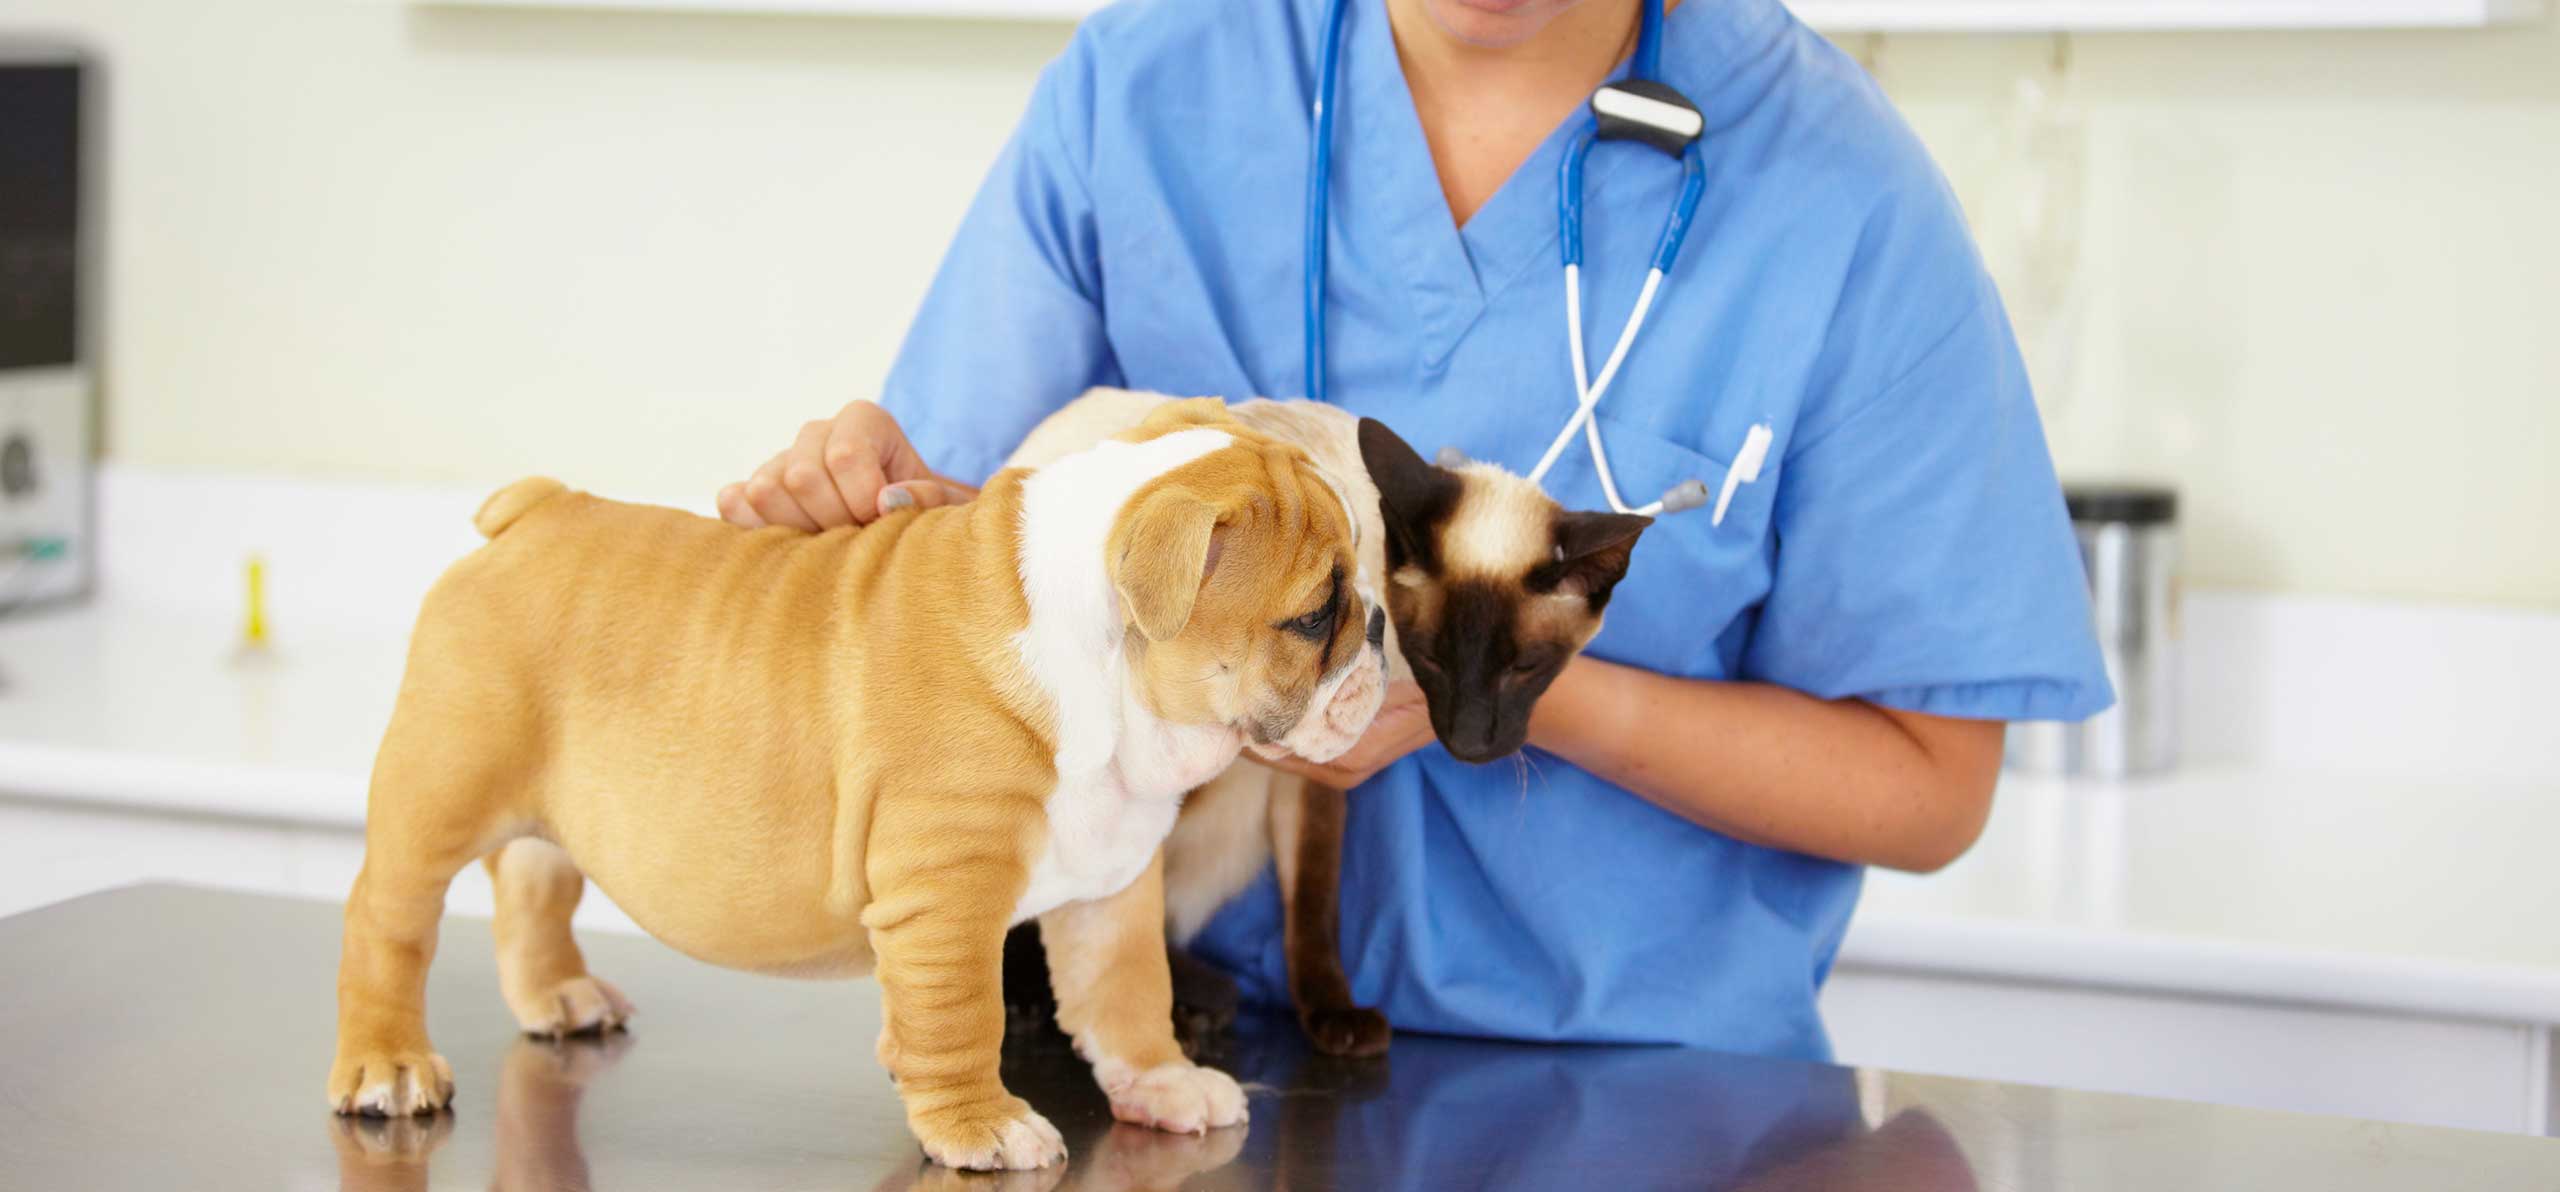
x=1588 y=392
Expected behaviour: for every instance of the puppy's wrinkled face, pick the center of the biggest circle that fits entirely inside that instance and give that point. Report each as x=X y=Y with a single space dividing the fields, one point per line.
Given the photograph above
x=1236 y=571
x=1493 y=587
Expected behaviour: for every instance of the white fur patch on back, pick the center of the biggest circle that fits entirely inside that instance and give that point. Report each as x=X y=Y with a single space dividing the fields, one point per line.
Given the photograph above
x=1121 y=771
x=1502 y=525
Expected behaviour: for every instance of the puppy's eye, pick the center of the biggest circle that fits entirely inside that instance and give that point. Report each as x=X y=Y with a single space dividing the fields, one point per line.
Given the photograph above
x=1528 y=666
x=1317 y=625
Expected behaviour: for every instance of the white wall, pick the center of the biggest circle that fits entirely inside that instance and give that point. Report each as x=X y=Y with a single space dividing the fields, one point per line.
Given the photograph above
x=355 y=238
x=352 y=238
x=2323 y=275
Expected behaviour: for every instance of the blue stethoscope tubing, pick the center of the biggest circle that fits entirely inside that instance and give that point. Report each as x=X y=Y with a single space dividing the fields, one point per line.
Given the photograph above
x=1644 y=66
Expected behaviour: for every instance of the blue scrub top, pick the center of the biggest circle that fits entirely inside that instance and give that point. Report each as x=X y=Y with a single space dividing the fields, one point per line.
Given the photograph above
x=1906 y=542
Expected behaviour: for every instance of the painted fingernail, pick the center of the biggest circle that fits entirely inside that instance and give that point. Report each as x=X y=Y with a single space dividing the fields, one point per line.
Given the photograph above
x=896 y=498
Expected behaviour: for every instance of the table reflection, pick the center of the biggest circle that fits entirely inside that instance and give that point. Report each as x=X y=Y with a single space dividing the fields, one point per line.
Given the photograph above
x=1449 y=1113
x=539 y=1086
x=1435 y=1114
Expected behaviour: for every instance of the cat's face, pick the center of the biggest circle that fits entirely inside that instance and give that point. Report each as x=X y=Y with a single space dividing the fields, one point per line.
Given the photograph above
x=1493 y=587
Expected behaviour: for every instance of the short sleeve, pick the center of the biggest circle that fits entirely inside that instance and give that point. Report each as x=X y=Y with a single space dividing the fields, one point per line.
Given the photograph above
x=1012 y=327
x=1923 y=556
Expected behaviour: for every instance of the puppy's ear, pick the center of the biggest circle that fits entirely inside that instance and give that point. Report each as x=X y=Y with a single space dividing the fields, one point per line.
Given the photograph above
x=1161 y=552
x=1591 y=555
x=1414 y=495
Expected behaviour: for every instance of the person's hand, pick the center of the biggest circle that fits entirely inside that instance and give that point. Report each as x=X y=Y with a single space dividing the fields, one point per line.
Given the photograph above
x=840 y=471
x=1403 y=725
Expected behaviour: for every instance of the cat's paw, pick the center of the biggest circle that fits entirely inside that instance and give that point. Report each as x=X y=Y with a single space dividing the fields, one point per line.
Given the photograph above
x=1346 y=1031
x=1182 y=1097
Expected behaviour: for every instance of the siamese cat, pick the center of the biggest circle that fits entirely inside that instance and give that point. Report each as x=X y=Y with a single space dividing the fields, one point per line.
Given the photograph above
x=1490 y=588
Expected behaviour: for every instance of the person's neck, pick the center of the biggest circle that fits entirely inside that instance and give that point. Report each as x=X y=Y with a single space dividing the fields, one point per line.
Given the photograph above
x=1484 y=110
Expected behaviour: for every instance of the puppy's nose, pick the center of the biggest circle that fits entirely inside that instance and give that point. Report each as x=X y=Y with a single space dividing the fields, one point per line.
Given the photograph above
x=1378 y=627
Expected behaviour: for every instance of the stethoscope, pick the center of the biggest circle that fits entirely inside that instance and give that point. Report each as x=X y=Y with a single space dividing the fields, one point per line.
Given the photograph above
x=1641 y=108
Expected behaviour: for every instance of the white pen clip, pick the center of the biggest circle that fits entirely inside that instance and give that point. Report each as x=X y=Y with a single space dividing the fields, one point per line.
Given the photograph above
x=1746 y=466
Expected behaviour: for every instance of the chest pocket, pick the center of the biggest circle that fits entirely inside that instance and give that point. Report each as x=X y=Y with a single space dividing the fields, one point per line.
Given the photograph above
x=1691 y=595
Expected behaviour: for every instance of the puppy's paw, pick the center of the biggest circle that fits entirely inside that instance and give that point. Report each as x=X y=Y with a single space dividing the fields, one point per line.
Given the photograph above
x=1346 y=1031
x=390 y=1083
x=1182 y=1097
x=1000 y=1135
x=579 y=1005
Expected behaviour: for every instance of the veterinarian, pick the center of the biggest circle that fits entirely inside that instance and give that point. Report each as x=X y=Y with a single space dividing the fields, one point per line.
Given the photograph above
x=1812 y=683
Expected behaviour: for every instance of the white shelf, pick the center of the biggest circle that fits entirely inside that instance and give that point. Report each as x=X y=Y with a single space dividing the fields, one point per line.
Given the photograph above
x=1850 y=16
x=2096 y=16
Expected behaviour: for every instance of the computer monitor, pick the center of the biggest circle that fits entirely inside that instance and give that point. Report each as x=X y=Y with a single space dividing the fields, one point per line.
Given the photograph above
x=47 y=392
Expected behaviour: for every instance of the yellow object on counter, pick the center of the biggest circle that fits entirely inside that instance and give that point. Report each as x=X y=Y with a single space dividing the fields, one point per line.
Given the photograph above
x=253 y=632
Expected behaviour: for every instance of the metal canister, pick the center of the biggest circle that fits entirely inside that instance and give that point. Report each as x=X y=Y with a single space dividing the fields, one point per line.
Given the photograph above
x=2129 y=551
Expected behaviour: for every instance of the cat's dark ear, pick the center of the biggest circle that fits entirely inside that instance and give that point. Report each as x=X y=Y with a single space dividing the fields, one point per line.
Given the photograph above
x=1414 y=495
x=1591 y=555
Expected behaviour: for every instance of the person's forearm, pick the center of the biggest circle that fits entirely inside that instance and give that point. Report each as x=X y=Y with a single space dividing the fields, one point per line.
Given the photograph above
x=1761 y=763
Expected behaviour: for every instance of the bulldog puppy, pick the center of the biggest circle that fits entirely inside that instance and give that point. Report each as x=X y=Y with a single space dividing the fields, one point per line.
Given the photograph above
x=867 y=750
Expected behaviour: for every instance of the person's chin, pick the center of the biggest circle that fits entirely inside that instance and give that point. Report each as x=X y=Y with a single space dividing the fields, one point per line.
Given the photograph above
x=1490 y=24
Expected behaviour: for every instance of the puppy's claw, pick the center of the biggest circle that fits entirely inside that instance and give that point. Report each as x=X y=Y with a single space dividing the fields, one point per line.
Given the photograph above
x=401 y=1084
x=579 y=1005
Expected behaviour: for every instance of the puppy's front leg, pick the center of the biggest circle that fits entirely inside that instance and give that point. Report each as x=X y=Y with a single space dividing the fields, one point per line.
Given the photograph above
x=1115 y=999
x=937 y=938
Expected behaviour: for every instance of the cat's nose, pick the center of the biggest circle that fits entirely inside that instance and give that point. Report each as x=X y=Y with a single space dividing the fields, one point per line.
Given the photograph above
x=1378 y=627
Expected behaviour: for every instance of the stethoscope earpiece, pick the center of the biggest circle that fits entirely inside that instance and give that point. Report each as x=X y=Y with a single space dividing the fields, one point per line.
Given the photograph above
x=1451 y=457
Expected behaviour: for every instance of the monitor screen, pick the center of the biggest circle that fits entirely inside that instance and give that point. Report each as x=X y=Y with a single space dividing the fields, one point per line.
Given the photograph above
x=39 y=213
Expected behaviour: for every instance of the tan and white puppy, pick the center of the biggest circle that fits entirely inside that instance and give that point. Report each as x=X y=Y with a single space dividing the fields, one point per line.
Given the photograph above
x=862 y=750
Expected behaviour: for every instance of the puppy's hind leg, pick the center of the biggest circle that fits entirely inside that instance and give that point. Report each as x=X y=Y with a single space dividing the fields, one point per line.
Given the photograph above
x=540 y=969
x=384 y=1065
x=428 y=816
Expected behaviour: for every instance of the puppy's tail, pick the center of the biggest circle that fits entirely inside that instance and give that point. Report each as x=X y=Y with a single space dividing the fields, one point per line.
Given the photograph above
x=507 y=504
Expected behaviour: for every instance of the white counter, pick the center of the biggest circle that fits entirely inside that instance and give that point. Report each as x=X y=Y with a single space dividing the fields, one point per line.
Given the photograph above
x=157 y=710
x=2424 y=896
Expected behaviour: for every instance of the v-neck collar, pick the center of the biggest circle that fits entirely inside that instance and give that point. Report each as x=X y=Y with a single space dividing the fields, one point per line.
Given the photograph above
x=1403 y=195
x=1454 y=271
